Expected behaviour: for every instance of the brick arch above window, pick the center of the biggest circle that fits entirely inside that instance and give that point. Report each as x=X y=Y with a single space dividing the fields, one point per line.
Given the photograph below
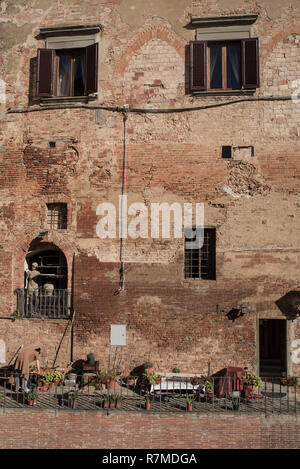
x=141 y=38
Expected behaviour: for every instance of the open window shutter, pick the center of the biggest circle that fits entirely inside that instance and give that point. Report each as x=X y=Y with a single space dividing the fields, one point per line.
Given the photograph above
x=91 y=68
x=198 y=65
x=250 y=63
x=45 y=72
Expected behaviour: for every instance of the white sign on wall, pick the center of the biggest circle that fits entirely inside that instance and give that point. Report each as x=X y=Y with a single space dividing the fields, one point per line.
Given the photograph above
x=117 y=334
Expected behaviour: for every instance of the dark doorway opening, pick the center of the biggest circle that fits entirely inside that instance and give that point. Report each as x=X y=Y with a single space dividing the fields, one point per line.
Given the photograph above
x=272 y=347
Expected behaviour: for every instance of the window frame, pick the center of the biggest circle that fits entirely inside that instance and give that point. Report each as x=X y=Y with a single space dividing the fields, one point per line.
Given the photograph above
x=71 y=52
x=223 y=44
x=57 y=40
x=210 y=234
x=249 y=73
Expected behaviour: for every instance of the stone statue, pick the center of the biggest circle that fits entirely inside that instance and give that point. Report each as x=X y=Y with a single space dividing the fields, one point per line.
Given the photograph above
x=32 y=275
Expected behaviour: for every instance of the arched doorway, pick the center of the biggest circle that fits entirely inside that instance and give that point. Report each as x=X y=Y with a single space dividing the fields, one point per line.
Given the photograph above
x=45 y=292
x=51 y=263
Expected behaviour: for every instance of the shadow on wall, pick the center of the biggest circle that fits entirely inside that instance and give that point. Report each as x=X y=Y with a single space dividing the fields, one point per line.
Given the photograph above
x=289 y=304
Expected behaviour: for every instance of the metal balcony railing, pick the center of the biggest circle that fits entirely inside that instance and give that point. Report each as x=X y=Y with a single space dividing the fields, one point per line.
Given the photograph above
x=82 y=392
x=42 y=304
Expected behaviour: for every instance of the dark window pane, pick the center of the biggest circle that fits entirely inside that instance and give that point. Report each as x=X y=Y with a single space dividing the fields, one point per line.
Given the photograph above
x=78 y=76
x=233 y=66
x=64 y=75
x=216 y=67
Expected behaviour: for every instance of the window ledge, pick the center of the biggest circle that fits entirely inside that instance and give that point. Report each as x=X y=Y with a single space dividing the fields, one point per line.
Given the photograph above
x=70 y=30
x=200 y=94
x=66 y=100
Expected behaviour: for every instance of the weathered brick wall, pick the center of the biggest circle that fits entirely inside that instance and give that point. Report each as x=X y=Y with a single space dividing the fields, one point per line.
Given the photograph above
x=84 y=430
x=170 y=158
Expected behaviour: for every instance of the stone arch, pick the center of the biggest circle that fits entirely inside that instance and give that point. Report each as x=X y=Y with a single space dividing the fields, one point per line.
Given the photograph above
x=288 y=29
x=21 y=248
x=142 y=37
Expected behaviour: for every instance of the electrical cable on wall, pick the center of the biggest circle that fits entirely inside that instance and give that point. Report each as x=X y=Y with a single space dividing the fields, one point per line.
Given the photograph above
x=126 y=109
x=124 y=188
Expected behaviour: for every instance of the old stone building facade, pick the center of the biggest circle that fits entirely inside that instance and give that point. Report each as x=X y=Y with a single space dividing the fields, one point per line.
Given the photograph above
x=84 y=89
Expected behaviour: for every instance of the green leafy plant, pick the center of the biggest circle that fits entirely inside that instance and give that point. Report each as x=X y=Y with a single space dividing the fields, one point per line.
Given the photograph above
x=152 y=378
x=176 y=370
x=198 y=380
x=189 y=399
x=287 y=380
x=31 y=395
x=15 y=315
x=251 y=379
x=51 y=377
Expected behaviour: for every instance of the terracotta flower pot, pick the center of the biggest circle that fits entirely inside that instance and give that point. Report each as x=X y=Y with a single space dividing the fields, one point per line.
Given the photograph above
x=148 y=405
x=118 y=405
x=114 y=385
x=105 y=404
x=131 y=382
x=189 y=407
x=112 y=404
x=30 y=402
x=249 y=389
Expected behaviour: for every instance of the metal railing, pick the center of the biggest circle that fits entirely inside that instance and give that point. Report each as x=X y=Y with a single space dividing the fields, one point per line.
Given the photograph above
x=42 y=304
x=170 y=395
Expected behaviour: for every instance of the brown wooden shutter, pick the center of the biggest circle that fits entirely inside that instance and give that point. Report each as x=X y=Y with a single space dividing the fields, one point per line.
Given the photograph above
x=91 y=68
x=250 y=63
x=198 y=65
x=45 y=72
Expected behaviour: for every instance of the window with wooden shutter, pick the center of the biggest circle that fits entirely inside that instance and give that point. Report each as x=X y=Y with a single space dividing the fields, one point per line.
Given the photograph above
x=198 y=65
x=45 y=72
x=250 y=63
x=224 y=65
x=67 y=72
x=91 y=68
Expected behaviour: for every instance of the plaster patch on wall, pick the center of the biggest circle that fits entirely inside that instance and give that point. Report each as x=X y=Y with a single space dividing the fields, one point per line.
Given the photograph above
x=2 y=351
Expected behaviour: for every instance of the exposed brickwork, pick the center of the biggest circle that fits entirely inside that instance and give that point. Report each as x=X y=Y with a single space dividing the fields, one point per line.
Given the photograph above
x=83 y=430
x=170 y=158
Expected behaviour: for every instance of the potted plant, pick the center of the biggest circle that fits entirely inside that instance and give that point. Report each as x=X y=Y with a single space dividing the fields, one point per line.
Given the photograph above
x=148 y=367
x=152 y=378
x=147 y=403
x=198 y=380
x=131 y=380
x=50 y=378
x=189 y=403
x=209 y=387
x=105 y=402
x=112 y=401
x=251 y=383
x=118 y=398
x=29 y=398
x=289 y=380
x=176 y=370
x=235 y=396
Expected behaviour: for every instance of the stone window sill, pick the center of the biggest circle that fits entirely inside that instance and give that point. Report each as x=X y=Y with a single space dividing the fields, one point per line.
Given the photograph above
x=204 y=94
x=66 y=100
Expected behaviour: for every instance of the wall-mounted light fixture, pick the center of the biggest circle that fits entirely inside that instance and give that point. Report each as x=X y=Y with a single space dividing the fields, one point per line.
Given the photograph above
x=243 y=309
